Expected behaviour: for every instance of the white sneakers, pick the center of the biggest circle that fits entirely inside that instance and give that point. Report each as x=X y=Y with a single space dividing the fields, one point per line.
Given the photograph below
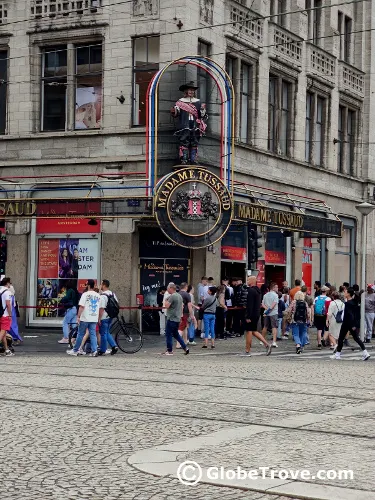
x=365 y=356
x=63 y=341
x=274 y=344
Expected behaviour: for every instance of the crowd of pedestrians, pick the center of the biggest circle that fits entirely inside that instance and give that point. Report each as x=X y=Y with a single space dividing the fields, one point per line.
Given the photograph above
x=215 y=311
x=235 y=309
x=93 y=312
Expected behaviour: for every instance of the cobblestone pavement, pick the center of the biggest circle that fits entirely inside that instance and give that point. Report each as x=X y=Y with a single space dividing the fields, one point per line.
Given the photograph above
x=70 y=425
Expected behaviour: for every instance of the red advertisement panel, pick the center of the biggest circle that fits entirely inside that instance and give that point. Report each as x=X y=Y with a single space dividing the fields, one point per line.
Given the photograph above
x=307 y=264
x=48 y=264
x=233 y=253
x=66 y=225
x=274 y=257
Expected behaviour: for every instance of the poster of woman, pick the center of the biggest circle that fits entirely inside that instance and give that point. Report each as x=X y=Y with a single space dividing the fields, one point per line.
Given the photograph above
x=68 y=258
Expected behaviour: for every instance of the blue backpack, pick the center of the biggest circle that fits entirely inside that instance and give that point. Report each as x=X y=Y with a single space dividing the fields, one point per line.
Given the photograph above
x=319 y=308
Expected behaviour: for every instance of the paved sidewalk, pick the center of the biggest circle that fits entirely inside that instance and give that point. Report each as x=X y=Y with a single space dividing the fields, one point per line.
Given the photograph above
x=118 y=427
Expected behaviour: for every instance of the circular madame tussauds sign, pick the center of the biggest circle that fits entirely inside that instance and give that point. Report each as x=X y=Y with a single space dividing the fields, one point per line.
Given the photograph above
x=193 y=207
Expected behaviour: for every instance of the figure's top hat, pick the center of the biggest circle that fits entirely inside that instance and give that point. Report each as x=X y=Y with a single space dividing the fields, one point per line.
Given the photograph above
x=189 y=85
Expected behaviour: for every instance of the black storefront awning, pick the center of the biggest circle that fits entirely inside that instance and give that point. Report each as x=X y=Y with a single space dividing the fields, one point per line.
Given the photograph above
x=289 y=212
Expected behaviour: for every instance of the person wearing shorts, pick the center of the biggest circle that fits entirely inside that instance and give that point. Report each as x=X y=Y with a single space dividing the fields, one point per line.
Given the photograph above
x=252 y=314
x=270 y=305
x=6 y=318
x=187 y=311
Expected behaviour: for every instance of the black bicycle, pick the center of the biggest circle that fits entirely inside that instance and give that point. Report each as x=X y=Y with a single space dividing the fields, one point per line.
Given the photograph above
x=127 y=336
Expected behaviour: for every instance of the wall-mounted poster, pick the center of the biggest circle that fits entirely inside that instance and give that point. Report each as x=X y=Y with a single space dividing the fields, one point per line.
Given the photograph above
x=60 y=261
x=88 y=107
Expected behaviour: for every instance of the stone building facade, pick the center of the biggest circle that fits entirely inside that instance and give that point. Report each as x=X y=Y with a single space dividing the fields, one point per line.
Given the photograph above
x=304 y=102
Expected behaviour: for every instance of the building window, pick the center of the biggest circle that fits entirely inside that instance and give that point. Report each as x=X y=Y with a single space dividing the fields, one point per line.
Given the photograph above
x=272 y=114
x=277 y=10
x=145 y=64
x=3 y=90
x=279 y=115
x=285 y=117
x=246 y=84
x=87 y=77
x=319 y=130
x=315 y=128
x=347 y=132
x=204 y=49
x=54 y=88
x=229 y=66
x=308 y=125
x=350 y=138
x=345 y=28
x=314 y=20
x=344 y=264
x=88 y=81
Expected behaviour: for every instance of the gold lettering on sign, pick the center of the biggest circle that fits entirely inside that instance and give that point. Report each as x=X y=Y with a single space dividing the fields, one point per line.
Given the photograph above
x=263 y=215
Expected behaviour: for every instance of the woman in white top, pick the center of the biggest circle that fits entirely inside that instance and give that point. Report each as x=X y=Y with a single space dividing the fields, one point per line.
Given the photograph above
x=192 y=322
x=336 y=306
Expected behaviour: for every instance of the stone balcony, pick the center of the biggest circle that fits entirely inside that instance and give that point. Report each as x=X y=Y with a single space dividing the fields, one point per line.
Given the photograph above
x=244 y=24
x=67 y=8
x=320 y=64
x=351 y=80
x=285 y=46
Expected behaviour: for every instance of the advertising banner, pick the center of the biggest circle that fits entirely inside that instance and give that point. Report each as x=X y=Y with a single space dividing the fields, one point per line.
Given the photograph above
x=60 y=261
x=307 y=264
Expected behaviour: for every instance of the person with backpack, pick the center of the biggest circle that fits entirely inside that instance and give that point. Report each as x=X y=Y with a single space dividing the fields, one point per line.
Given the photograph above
x=110 y=309
x=5 y=313
x=70 y=303
x=228 y=297
x=320 y=314
x=351 y=323
x=209 y=315
x=300 y=318
x=335 y=318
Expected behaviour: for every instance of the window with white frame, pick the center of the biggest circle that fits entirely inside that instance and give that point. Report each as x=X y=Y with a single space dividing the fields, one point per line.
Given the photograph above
x=346 y=140
x=279 y=114
x=315 y=124
x=86 y=99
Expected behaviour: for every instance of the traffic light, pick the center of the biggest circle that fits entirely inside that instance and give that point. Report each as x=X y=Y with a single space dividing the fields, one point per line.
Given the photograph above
x=3 y=253
x=254 y=243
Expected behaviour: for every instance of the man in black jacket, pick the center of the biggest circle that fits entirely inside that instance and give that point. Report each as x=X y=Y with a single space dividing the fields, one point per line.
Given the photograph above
x=253 y=304
x=239 y=301
x=351 y=323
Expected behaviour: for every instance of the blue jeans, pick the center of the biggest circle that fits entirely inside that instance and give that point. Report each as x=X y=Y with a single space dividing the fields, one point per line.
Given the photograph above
x=70 y=317
x=191 y=331
x=83 y=326
x=209 y=325
x=105 y=335
x=300 y=333
x=171 y=332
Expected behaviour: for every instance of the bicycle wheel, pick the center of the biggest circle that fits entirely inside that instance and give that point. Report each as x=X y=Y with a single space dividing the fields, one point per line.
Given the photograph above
x=128 y=338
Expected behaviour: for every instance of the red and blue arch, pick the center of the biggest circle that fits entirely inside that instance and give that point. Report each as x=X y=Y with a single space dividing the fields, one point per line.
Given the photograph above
x=224 y=84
